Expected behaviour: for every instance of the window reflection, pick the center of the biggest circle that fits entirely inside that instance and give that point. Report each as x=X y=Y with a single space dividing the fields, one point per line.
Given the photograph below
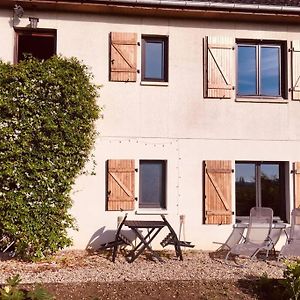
x=154 y=60
x=259 y=70
x=247 y=70
x=270 y=187
x=260 y=184
x=270 y=71
x=152 y=184
x=245 y=188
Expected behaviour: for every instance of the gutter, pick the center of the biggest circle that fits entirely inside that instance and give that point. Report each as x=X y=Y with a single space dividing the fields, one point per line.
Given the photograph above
x=176 y=5
x=191 y=4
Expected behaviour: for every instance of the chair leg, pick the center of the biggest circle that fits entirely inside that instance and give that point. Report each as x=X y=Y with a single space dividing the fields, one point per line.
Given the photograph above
x=114 y=254
x=227 y=256
x=178 y=250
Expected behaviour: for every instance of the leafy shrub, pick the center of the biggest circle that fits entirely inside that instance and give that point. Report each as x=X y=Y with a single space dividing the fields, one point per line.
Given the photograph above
x=12 y=291
x=48 y=109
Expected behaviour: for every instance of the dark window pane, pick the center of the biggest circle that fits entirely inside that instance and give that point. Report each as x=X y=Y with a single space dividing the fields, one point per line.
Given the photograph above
x=247 y=78
x=272 y=189
x=41 y=47
x=154 y=60
x=152 y=184
x=270 y=71
x=245 y=188
x=260 y=184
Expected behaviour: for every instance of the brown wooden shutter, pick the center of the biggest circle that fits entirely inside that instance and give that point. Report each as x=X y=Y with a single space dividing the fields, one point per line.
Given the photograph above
x=296 y=172
x=219 y=67
x=123 y=49
x=218 y=176
x=120 y=184
x=296 y=70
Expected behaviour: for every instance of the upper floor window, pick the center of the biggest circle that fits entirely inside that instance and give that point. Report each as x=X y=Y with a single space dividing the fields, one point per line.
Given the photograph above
x=40 y=43
x=155 y=58
x=260 y=70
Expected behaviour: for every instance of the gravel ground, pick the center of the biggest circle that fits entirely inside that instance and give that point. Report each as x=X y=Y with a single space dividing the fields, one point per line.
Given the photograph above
x=83 y=267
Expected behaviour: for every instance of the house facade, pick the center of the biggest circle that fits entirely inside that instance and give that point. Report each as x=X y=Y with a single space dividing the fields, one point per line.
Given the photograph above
x=201 y=108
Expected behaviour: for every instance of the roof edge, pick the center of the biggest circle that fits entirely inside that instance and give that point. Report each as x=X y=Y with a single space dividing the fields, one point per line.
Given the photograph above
x=190 y=4
x=166 y=8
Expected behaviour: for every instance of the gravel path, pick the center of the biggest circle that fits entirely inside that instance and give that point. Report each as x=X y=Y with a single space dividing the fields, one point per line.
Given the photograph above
x=79 y=266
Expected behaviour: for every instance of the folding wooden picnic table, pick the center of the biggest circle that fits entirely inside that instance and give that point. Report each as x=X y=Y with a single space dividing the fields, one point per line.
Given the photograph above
x=153 y=228
x=146 y=231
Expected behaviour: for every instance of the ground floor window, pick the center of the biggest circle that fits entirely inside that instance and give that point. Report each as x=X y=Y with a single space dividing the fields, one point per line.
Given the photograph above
x=152 y=184
x=122 y=184
x=261 y=184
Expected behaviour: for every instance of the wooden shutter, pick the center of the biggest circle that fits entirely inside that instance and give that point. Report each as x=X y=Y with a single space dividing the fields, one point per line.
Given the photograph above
x=219 y=67
x=296 y=70
x=296 y=172
x=120 y=184
x=123 y=48
x=218 y=176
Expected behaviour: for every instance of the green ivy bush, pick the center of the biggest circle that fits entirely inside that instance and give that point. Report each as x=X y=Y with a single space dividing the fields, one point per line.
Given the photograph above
x=13 y=291
x=48 y=110
x=292 y=279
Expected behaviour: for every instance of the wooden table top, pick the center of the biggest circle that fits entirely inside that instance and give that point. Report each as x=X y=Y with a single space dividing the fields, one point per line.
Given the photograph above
x=144 y=224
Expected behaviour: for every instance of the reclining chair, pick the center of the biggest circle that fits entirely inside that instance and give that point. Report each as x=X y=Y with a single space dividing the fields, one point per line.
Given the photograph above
x=258 y=234
x=292 y=246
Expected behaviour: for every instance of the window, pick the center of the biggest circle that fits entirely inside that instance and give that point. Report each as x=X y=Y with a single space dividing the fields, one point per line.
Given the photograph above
x=260 y=184
x=121 y=184
x=155 y=58
x=152 y=184
x=260 y=70
x=40 y=43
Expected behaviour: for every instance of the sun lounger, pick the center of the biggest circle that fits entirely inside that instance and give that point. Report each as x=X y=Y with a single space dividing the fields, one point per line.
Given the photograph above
x=292 y=246
x=258 y=234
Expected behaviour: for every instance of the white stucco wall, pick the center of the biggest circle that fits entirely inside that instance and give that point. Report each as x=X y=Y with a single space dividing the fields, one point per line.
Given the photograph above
x=173 y=122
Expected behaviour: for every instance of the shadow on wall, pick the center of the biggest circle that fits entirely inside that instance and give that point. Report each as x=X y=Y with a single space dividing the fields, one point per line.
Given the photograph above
x=102 y=236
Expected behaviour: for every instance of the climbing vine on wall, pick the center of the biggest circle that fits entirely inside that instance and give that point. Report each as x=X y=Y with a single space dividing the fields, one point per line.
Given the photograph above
x=48 y=111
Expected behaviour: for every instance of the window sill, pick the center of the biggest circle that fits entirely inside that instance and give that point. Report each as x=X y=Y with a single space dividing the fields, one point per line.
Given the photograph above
x=154 y=83
x=261 y=99
x=245 y=219
x=151 y=211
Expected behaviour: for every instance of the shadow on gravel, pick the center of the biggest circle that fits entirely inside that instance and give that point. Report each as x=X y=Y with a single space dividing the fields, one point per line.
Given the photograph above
x=221 y=254
x=264 y=288
x=166 y=290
